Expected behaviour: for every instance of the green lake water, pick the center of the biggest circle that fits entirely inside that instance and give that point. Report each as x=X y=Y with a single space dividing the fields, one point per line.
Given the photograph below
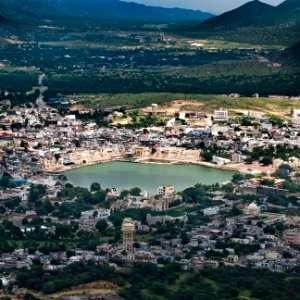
x=126 y=175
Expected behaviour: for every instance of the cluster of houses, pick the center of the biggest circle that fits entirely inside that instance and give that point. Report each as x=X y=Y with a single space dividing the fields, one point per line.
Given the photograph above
x=166 y=196
x=222 y=239
x=35 y=140
x=38 y=143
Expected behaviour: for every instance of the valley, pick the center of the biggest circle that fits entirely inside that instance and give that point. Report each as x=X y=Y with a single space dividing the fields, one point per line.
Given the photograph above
x=149 y=153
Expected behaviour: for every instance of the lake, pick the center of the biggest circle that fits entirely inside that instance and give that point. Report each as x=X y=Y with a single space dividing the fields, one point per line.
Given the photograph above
x=126 y=175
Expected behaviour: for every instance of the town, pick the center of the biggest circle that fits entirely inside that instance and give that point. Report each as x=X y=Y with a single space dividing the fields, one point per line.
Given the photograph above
x=250 y=221
x=149 y=152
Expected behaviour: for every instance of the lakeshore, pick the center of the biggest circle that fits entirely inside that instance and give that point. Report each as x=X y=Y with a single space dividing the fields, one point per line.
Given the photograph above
x=147 y=176
x=91 y=159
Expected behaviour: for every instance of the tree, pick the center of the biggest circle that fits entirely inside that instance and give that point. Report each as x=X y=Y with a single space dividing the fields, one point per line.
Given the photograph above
x=36 y=192
x=184 y=238
x=207 y=156
x=4 y=182
x=100 y=196
x=237 y=178
x=249 y=160
x=16 y=126
x=101 y=225
x=2 y=209
x=62 y=231
x=267 y=182
x=124 y=194
x=287 y=254
x=24 y=144
x=266 y=160
x=33 y=195
x=235 y=211
x=135 y=191
x=95 y=187
x=284 y=171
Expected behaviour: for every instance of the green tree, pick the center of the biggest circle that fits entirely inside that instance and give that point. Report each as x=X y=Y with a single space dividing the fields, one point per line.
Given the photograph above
x=34 y=195
x=235 y=211
x=237 y=178
x=124 y=194
x=207 y=156
x=5 y=182
x=266 y=161
x=135 y=191
x=101 y=225
x=95 y=187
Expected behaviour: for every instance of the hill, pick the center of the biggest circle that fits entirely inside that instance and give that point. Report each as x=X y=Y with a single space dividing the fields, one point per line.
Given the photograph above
x=4 y=20
x=291 y=56
x=98 y=10
x=254 y=22
x=246 y=15
x=287 y=12
x=255 y=14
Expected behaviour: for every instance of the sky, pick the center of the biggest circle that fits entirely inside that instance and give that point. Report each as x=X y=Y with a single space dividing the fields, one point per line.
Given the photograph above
x=217 y=6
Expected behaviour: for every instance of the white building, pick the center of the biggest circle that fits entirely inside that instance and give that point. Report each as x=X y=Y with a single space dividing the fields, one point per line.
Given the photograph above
x=296 y=115
x=211 y=211
x=220 y=161
x=89 y=218
x=166 y=191
x=99 y=214
x=221 y=115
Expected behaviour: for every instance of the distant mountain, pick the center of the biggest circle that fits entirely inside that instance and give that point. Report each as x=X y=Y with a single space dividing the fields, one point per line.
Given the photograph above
x=287 y=12
x=255 y=14
x=246 y=15
x=97 y=9
x=254 y=22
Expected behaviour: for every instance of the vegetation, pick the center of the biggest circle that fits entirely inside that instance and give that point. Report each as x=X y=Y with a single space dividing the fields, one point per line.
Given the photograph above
x=143 y=281
x=210 y=102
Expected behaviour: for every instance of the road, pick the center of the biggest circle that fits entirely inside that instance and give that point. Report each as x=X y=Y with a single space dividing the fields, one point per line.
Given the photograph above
x=40 y=99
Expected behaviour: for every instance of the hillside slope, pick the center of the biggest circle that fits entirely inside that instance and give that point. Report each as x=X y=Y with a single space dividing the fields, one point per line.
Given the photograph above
x=98 y=9
x=248 y=14
x=287 y=13
x=291 y=56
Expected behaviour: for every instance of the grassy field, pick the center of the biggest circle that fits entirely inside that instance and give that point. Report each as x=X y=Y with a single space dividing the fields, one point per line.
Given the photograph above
x=226 y=68
x=207 y=103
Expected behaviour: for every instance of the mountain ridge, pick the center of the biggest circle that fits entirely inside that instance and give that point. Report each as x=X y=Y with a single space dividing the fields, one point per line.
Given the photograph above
x=244 y=15
x=254 y=14
x=98 y=9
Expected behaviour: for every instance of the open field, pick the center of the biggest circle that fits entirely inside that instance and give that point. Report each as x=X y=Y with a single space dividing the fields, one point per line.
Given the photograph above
x=205 y=103
x=92 y=288
x=146 y=60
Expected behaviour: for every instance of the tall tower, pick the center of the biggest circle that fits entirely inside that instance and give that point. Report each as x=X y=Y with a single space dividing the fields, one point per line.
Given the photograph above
x=128 y=230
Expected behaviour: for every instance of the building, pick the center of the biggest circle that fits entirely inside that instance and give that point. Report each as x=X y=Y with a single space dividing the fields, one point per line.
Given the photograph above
x=221 y=115
x=128 y=229
x=89 y=218
x=99 y=214
x=296 y=115
x=211 y=211
x=232 y=259
x=220 y=161
x=237 y=158
x=266 y=190
x=166 y=191
x=252 y=209
x=292 y=236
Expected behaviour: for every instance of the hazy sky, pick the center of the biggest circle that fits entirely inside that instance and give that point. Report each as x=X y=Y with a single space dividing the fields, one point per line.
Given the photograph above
x=206 y=5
